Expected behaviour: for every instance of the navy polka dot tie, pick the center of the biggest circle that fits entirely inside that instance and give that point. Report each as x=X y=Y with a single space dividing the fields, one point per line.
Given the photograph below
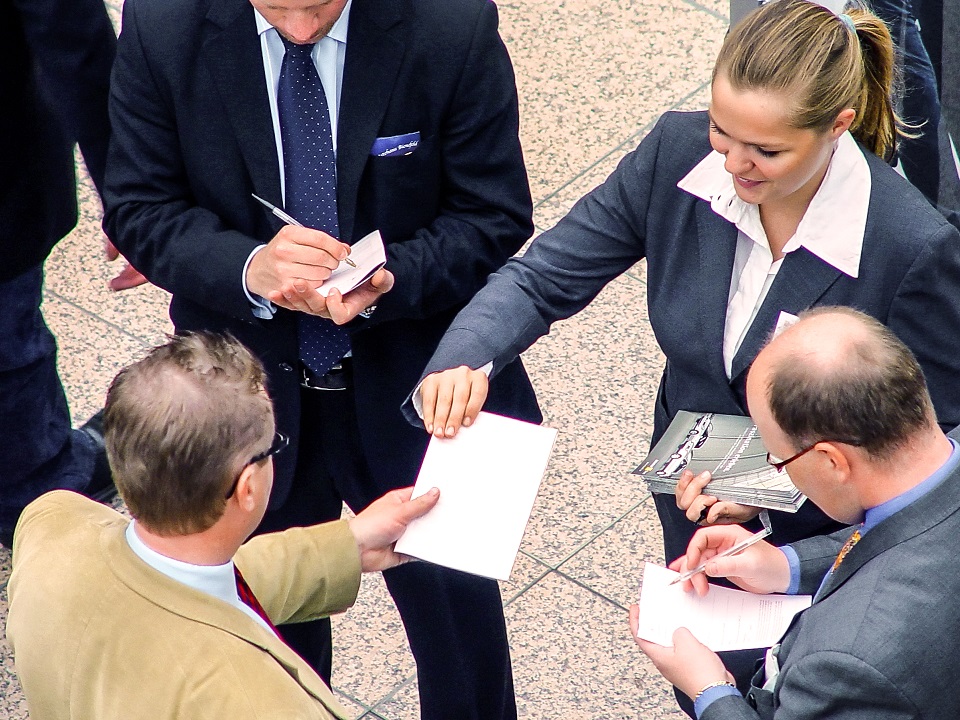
x=310 y=174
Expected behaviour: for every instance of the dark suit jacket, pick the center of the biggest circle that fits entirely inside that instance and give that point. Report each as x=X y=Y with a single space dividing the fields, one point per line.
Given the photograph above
x=53 y=91
x=193 y=140
x=880 y=642
x=909 y=280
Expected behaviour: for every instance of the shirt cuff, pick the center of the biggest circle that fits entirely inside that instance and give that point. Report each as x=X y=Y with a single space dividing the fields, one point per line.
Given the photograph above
x=709 y=696
x=418 y=401
x=794 y=587
x=260 y=307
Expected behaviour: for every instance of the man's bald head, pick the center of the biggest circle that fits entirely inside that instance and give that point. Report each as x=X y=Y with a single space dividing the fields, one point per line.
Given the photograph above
x=840 y=375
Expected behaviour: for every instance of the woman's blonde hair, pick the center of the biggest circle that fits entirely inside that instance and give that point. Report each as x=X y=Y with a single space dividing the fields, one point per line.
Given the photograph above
x=824 y=62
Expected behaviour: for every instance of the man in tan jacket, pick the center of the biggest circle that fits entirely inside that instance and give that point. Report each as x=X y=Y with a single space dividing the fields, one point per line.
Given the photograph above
x=153 y=618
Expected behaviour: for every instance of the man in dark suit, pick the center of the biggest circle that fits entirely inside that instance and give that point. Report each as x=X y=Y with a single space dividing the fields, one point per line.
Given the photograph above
x=53 y=90
x=853 y=423
x=423 y=121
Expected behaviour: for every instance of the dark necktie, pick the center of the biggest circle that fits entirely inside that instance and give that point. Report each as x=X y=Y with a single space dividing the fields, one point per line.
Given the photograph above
x=310 y=175
x=250 y=600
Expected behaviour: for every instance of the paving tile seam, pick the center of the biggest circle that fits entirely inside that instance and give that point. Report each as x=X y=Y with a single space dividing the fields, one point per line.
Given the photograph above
x=586 y=543
x=390 y=695
x=630 y=141
x=350 y=697
x=57 y=296
x=530 y=584
x=709 y=11
x=593 y=591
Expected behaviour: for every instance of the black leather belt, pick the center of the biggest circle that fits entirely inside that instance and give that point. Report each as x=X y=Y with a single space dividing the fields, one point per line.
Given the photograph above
x=336 y=378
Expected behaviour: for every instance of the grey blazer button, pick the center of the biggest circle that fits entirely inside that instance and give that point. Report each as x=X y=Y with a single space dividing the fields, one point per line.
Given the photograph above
x=286 y=367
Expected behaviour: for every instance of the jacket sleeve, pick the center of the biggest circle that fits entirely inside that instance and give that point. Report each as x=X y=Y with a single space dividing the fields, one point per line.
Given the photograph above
x=302 y=573
x=562 y=271
x=151 y=210
x=925 y=315
x=74 y=45
x=835 y=685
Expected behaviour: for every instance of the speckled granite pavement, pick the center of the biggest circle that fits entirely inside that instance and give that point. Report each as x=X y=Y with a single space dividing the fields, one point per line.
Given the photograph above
x=593 y=76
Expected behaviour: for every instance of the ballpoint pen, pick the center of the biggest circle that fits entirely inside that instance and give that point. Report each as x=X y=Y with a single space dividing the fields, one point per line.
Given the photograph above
x=288 y=219
x=735 y=550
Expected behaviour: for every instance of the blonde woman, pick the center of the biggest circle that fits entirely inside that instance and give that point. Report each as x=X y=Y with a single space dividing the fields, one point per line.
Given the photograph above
x=775 y=200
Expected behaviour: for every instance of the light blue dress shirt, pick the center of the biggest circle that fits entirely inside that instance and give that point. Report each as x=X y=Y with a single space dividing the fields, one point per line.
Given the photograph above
x=328 y=55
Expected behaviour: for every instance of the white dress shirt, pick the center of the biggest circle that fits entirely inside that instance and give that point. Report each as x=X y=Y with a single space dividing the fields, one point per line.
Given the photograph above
x=832 y=229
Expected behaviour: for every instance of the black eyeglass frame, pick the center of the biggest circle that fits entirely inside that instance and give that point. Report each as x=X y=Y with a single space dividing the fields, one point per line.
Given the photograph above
x=280 y=441
x=779 y=465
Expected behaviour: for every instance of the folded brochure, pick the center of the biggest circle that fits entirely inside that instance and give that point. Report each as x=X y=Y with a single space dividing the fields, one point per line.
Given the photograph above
x=730 y=447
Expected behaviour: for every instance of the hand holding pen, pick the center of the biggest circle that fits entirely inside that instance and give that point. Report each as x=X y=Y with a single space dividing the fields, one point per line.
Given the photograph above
x=288 y=270
x=290 y=220
x=731 y=551
x=734 y=553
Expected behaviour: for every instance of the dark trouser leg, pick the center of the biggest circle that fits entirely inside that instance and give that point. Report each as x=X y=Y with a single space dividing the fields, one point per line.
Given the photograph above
x=40 y=450
x=921 y=104
x=455 y=625
x=930 y=15
x=454 y=621
x=312 y=499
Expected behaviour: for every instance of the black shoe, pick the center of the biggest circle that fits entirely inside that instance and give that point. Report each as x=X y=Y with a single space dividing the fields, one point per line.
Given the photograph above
x=6 y=538
x=101 y=487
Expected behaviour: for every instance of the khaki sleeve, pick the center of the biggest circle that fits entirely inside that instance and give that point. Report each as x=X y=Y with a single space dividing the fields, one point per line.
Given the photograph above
x=303 y=573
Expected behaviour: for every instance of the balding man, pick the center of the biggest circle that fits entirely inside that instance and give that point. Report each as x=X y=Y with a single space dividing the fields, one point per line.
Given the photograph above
x=841 y=403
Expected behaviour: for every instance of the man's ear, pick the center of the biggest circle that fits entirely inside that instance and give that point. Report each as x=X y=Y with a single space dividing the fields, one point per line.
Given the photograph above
x=247 y=486
x=838 y=462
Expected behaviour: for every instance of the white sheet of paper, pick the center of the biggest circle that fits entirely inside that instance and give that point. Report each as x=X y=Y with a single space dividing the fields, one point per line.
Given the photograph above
x=368 y=254
x=724 y=619
x=488 y=476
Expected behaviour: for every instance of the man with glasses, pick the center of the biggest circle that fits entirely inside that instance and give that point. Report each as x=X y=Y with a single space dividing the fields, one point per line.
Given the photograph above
x=171 y=615
x=851 y=421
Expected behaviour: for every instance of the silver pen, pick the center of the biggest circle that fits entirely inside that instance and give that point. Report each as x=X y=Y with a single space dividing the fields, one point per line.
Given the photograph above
x=735 y=550
x=288 y=219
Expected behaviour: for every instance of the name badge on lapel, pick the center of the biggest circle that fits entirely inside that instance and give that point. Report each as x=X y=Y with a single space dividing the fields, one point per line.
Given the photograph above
x=395 y=145
x=784 y=320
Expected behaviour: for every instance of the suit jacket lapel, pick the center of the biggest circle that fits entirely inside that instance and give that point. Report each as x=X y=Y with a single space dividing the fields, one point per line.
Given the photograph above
x=232 y=54
x=916 y=518
x=374 y=52
x=717 y=248
x=199 y=607
x=802 y=280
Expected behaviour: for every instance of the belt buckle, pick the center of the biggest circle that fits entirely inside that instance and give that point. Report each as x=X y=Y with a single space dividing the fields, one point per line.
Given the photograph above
x=334 y=380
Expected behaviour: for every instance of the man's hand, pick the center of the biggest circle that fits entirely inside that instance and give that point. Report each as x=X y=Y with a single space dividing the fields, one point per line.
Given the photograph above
x=706 y=509
x=344 y=308
x=452 y=398
x=761 y=568
x=288 y=271
x=127 y=278
x=689 y=664
x=381 y=524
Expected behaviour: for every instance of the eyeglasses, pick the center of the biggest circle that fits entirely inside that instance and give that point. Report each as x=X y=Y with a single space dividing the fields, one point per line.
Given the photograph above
x=280 y=441
x=779 y=464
